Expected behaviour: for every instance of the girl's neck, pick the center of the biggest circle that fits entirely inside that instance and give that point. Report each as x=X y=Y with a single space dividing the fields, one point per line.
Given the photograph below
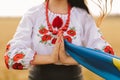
x=58 y=6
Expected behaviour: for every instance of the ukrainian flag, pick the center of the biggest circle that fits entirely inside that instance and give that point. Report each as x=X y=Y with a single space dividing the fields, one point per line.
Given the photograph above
x=103 y=64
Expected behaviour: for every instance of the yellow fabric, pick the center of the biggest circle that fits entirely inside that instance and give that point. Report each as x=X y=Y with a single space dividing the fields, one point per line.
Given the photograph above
x=116 y=62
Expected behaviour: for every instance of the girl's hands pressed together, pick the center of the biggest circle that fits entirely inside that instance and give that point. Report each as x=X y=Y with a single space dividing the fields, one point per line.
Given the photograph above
x=64 y=58
x=58 y=54
x=55 y=53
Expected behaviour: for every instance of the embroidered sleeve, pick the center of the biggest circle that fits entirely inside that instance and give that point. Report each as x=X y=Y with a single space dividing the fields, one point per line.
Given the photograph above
x=92 y=37
x=19 y=53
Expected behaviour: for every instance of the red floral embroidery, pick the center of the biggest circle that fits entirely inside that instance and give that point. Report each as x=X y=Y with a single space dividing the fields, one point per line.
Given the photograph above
x=54 y=40
x=57 y=22
x=7 y=47
x=108 y=49
x=71 y=32
x=68 y=38
x=6 y=60
x=49 y=38
x=46 y=37
x=17 y=66
x=18 y=56
x=54 y=32
x=43 y=31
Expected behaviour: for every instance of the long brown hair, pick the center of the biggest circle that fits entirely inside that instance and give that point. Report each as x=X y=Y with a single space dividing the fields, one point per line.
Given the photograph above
x=79 y=4
x=105 y=7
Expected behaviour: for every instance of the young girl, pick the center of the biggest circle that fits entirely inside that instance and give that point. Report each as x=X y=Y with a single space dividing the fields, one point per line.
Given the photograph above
x=38 y=41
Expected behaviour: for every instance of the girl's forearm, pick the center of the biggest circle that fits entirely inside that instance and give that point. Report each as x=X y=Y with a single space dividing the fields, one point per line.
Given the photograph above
x=70 y=61
x=42 y=59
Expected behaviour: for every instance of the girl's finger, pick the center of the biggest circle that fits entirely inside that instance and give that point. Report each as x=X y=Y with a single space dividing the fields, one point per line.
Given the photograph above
x=59 y=37
x=60 y=32
x=58 y=41
x=62 y=44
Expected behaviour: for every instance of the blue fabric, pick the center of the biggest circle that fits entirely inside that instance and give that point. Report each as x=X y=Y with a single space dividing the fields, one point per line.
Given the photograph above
x=99 y=62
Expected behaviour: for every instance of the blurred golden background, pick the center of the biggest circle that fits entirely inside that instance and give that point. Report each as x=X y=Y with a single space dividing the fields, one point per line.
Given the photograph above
x=110 y=29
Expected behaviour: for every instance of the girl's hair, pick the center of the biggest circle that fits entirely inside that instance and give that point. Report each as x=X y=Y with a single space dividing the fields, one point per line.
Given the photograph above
x=104 y=6
x=79 y=4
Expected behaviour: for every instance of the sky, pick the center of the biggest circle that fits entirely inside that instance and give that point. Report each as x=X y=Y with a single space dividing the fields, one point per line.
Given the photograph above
x=19 y=7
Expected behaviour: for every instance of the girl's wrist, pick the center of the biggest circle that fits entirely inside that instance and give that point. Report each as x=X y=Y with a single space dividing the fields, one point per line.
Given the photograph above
x=53 y=59
x=70 y=61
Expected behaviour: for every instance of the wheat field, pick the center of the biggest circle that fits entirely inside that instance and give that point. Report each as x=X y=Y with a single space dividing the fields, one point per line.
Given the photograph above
x=110 y=29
